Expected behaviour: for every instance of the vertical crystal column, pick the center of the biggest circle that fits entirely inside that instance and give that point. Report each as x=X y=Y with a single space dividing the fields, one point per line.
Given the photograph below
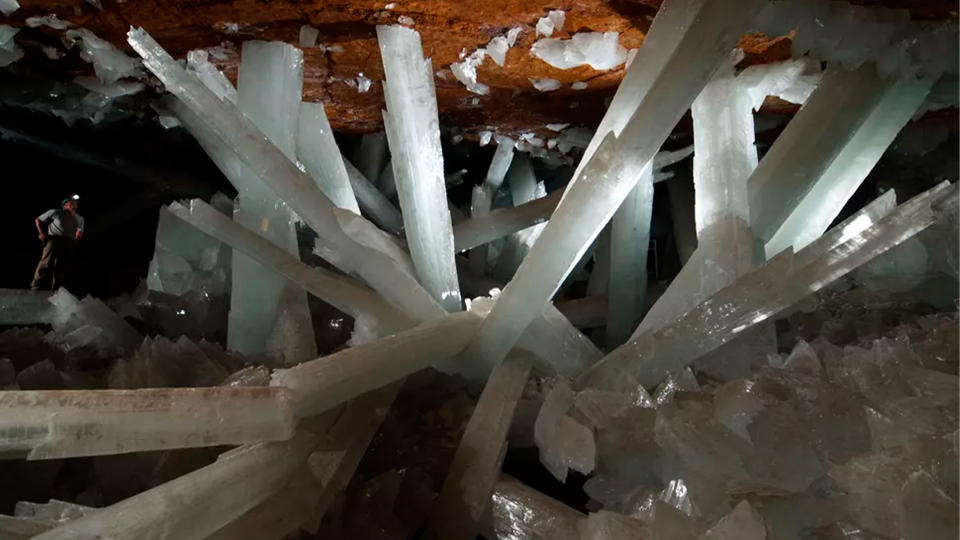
x=482 y=197
x=611 y=173
x=269 y=94
x=524 y=188
x=629 y=243
x=317 y=150
x=413 y=131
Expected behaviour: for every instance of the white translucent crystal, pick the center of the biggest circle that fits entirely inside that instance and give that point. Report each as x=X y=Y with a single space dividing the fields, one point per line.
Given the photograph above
x=599 y=50
x=269 y=94
x=579 y=85
x=593 y=196
x=563 y=442
x=413 y=131
x=114 y=90
x=469 y=483
x=784 y=280
x=50 y=20
x=323 y=383
x=52 y=424
x=363 y=83
x=373 y=202
x=503 y=221
x=318 y=151
x=498 y=46
x=545 y=85
x=629 y=245
x=524 y=188
x=212 y=78
x=308 y=36
x=482 y=196
x=792 y=80
x=522 y=512
x=23 y=307
x=9 y=6
x=830 y=187
x=114 y=335
x=553 y=21
x=197 y=504
x=341 y=292
x=109 y=63
x=466 y=71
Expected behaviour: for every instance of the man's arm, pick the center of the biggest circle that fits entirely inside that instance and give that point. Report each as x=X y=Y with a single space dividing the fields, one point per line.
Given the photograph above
x=40 y=224
x=79 y=233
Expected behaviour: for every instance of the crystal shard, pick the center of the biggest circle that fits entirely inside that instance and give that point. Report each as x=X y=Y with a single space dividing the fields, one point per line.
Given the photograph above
x=413 y=131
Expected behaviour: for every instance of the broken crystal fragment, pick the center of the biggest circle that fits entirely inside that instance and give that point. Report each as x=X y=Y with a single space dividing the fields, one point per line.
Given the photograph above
x=564 y=443
x=10 y=52
x=545 y=85
x=50 y=20
x=109 y=63
x=9 y=6
x=466 y=71
x=413 y=131
x=599 y=50
x=553 y=21
x=308 y=36
x=68 y=423
x=211 y=77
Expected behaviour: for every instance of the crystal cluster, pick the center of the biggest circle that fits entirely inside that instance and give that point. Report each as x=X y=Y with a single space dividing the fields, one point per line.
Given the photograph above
x=796 y=379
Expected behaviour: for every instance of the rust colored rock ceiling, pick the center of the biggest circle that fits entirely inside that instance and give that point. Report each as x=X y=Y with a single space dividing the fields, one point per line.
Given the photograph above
x=447 y=27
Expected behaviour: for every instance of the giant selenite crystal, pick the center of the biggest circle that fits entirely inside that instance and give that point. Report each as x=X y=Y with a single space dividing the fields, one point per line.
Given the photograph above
x=783 y=281
x=413 y=131
x=825 y=152
x=50 y=424
x=197 y=504
x=676 y=74
x=266 y=315
x=318 y=151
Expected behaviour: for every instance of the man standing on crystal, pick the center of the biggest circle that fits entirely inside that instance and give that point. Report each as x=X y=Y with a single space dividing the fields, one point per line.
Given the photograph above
x=59 y=229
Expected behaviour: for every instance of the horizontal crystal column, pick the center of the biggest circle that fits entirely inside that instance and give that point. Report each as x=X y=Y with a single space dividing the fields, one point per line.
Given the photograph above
x=501 y=222
x=350 y=236
x=18 y=306
x=196 y=505
x=323 y=383
x=469 y=483
x=783 y=281
x=51 y=424
x=341 y=292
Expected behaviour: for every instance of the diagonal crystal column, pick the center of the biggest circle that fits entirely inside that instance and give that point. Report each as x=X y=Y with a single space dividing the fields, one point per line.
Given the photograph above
x=468 y=486
x=604 y=181
x=503 y=221
x=269 y=93
x=824 y=153
x=768 y=290
x=413 y=131
x=317 y=150
x=357 y=242
x=629 y=243
x=482 y=197
x=341 y=292
x=851 y=165
x=199 y=503
x=373 y=202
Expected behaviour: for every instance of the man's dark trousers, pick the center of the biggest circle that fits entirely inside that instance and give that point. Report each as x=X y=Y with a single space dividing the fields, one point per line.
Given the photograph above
x=57 y=252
